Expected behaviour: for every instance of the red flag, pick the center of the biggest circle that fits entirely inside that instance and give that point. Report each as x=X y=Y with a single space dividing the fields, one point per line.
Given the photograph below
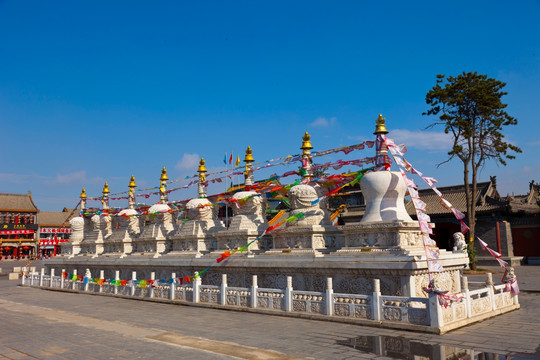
x=464 y=227
x=230 y=159
x=225 y=255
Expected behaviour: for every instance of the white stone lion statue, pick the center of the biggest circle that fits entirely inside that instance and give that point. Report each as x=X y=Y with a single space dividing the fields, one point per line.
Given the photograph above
x=459 y=242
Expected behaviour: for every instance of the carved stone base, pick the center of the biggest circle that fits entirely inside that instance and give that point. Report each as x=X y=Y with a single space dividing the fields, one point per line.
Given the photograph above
x=91 y=249
x=316 y=237
x=198 y=229
x=154 y=247
x=387 y=234
x=400 y=275
x=191 y=247
x=70 y=249
x=230 y=240
x=112 y=247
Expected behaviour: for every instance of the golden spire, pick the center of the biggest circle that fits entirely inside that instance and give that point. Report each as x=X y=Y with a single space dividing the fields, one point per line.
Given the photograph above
x=249 y=155
x=202 y=170
x=306 y=144
x=164 y=175
x=380 y=128
x=106 y=189
x=132 y=185
x=83 y=193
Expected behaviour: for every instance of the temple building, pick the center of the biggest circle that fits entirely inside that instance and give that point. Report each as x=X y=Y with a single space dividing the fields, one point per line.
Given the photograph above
x=18 y=226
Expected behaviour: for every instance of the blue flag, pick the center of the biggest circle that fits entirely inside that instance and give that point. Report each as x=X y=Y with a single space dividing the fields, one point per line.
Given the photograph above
x=225 y=159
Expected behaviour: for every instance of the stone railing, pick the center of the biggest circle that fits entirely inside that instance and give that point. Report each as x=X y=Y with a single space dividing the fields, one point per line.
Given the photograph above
x=415 y=313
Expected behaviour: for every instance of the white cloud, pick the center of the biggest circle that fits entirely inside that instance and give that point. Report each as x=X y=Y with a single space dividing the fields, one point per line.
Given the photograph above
x=78 y=177
x=323 y=122
x=22 y=178
x=423 y=140
x=188 y=162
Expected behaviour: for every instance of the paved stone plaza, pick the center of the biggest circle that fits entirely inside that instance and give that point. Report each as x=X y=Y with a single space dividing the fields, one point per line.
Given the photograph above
x=41 y=324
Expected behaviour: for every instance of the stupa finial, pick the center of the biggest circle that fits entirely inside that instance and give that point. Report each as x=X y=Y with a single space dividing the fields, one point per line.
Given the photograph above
x=380 y=128
x=164 y=176
x=106 y=189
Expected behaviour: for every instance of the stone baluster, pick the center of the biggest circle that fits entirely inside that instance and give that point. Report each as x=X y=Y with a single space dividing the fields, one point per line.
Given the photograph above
x=196 y=287
x=329 y=301
x=173 y=287
x=435 y=311
x=117 y=278
x=151 y=290
x=33 y=277
x=86 y=282
x=376 y=308
x=288 y=294
x=491 y=293
x=22 y=277
x=62 y=280
x=223 y=290
x=133 y=283
x=51 y=282
x=74 y=283
x=254 y=288
x=465 y=291
x=41 y=276
x=101 y=277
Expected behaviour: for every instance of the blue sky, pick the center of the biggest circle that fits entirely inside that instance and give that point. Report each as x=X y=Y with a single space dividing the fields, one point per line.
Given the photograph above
x=94 y=92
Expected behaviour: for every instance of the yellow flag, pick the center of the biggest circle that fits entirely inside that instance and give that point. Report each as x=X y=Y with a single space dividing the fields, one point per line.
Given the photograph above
x=237 y=161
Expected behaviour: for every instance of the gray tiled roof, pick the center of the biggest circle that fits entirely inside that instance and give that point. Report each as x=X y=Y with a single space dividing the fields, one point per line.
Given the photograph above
x=17 y=202
x=55 y=218
x=488 y=199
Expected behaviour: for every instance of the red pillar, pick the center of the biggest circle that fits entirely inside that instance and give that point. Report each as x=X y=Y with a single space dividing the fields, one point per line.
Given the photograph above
x=498 y=236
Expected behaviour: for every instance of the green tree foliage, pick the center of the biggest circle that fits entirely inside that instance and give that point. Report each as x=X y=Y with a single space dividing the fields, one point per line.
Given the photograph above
x=470 y=109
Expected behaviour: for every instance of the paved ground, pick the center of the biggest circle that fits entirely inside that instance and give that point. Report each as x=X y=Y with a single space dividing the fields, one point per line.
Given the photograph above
x=40 y=324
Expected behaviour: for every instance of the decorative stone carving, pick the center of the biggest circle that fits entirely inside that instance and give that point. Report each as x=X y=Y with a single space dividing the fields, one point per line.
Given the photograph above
x=342 y=310
x=311 y=234
x=391 y=235
x=301 y=198
x=418 y=316
x=459 y=243
x=77 y=230
x=392 y=314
